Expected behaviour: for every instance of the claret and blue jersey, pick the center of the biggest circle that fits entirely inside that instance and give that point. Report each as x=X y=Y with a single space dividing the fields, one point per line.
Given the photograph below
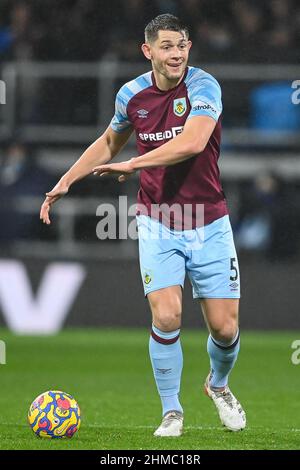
x=158 y=116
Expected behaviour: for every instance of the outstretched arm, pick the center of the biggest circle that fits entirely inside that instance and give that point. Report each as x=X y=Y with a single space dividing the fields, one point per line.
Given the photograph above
x=99 y=153
x=190 y=142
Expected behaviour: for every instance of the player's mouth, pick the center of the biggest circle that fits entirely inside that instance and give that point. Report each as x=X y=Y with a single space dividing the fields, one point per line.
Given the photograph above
x=175 y=66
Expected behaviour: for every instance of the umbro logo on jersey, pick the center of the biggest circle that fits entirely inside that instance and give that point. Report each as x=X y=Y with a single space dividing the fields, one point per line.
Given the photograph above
x=142 y=113
x=179 y=106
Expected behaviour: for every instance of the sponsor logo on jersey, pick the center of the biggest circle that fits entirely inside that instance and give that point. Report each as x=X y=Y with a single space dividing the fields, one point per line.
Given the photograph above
x=142 y=113
x=157 y=136
x=179 y=106
x=203 y=106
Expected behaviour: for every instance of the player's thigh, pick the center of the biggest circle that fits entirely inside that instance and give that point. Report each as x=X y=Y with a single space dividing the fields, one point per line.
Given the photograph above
x=162 y=263
x=213 y=270
x=221 y=317
x=166 y=307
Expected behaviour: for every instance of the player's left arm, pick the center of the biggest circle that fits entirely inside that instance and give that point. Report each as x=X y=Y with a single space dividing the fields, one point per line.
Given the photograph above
x=193 y=140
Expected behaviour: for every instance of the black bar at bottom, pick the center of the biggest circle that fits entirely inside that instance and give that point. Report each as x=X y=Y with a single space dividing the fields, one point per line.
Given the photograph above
x=134 y=458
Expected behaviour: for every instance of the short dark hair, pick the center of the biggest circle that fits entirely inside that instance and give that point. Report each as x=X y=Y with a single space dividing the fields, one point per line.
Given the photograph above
x=165 y=22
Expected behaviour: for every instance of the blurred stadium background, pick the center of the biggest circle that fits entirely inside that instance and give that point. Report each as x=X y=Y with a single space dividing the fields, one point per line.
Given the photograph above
x=62 y=62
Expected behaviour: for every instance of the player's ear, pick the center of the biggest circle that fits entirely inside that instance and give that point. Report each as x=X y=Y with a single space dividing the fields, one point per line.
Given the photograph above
x=189 y=44
x=146 y=51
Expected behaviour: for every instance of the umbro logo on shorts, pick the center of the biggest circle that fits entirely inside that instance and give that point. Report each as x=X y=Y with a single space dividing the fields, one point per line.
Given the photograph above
x=234 y=285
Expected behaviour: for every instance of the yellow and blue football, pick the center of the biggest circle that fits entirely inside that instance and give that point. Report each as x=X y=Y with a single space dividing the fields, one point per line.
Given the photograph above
x=54 y=414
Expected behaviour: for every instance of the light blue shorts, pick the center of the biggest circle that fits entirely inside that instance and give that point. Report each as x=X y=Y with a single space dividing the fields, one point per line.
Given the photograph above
x=207 y=254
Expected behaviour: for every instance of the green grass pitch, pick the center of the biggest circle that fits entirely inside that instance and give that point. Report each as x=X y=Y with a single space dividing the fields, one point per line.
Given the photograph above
x=109 y=373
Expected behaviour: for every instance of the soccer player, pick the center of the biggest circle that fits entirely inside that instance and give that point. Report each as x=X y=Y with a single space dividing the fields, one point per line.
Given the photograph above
x=175 y=112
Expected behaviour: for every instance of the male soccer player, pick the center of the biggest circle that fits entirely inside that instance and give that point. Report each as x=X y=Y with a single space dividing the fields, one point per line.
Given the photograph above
x=175 y=113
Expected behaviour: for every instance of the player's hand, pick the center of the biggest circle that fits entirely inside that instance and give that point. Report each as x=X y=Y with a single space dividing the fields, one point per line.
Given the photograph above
x=57 y=192
x=123 y=169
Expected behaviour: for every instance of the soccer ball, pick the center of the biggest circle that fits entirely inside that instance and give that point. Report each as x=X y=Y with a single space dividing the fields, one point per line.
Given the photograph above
x=54 y=414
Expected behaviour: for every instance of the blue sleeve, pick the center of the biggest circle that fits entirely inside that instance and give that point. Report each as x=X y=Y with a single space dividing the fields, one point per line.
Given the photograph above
x=120 y=122
x=204 y=93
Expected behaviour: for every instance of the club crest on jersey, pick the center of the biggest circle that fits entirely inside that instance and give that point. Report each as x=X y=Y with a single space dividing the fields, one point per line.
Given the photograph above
x=179 y=106
x=147 y=275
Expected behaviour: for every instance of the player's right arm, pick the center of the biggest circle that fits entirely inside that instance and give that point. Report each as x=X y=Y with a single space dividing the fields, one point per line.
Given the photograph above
x=100 y=152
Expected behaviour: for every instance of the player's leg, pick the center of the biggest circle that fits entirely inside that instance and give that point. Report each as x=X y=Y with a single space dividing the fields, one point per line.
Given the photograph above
x=163 y=271
x=221 y=316
x=166 y=356
x=214 y=274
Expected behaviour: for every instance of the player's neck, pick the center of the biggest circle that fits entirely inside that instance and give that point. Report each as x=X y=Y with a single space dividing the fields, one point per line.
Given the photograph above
x=164 y=83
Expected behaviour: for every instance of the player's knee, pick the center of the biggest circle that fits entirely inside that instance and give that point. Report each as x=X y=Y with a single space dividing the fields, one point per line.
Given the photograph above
x=225 y=332
x=167 y=320
x=166 y=312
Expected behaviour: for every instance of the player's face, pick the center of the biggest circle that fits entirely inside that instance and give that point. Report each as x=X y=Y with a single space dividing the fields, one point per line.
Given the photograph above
x=169 y=55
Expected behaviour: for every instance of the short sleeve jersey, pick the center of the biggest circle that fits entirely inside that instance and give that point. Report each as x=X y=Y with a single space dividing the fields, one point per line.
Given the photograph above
x=158 y=116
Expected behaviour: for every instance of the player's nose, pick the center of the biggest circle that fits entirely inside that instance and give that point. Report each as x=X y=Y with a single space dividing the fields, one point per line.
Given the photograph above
x=177 y=54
